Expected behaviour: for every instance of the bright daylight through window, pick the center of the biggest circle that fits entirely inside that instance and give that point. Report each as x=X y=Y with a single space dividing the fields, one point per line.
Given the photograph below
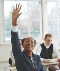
x=53 y=12
x=29 y=21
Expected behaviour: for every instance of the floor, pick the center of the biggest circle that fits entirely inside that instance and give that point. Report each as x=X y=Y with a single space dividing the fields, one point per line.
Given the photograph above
x=2 y=65
x=5 y=64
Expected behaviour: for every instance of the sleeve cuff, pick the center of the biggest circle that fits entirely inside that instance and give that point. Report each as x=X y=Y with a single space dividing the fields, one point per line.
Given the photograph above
x=14 y=28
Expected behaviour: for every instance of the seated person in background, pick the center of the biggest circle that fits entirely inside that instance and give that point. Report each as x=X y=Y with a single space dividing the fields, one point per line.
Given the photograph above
x=35 y=42
x=22 y=44
x=12 y=60
x=46 y=49
x=26 y=60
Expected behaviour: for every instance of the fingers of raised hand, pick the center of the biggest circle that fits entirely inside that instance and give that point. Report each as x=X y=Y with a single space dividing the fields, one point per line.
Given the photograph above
x=18 y=7
x=16 y=12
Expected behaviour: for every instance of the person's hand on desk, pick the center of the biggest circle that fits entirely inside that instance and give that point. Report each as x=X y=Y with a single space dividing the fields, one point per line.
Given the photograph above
x=46 y=61
x=59 y=62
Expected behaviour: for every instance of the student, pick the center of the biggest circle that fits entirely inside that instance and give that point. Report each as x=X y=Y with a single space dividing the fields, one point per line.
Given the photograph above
x=26 y=60
x=46 y=49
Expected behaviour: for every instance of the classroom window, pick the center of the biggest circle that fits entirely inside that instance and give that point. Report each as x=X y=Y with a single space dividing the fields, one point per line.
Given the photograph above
x=29 y=22
x=53 y=14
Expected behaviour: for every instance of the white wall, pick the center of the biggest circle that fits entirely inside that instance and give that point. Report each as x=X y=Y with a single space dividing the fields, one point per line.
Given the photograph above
x=5 y=52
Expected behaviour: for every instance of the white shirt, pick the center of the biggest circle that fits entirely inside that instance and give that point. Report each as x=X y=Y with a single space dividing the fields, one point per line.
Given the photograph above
x=55 y=50
x=14 y=28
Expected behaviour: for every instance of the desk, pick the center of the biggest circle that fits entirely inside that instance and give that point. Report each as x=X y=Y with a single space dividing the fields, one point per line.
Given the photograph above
x=46 y=65
x=10 y=68
x=51 y=63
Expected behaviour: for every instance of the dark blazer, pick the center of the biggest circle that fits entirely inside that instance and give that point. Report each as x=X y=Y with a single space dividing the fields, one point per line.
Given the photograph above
x=46 y=53
x=22 y=60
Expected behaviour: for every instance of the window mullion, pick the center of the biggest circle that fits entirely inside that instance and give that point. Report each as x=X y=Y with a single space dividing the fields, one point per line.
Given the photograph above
x=1 y=20
x=57 y=21
x=44 y=17
x=28 y=22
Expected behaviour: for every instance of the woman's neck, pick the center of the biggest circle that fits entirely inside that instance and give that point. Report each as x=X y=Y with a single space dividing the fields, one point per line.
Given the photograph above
x=29 y=53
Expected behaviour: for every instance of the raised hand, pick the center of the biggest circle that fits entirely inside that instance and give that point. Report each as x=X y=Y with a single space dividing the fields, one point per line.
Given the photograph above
x=15 y=14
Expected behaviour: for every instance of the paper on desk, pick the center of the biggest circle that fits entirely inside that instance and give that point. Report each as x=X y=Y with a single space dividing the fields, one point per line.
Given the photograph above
x=58 y=70
x=53 y=60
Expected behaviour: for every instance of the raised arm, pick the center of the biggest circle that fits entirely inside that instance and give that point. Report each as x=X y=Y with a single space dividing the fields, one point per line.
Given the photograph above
x=14 y=33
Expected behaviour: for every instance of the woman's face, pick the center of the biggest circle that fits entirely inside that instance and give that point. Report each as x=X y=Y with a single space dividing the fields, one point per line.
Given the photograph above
x=29 y=44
